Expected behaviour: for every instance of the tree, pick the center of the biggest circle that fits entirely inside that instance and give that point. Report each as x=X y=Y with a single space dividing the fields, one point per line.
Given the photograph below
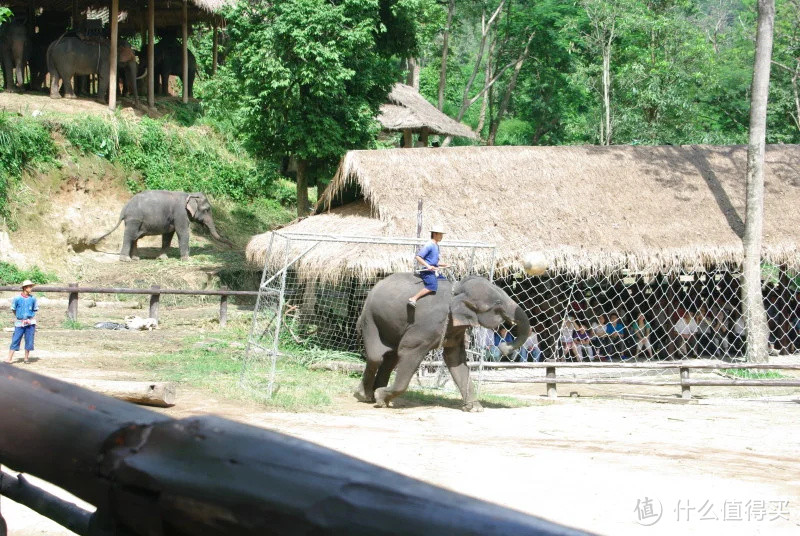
x=755 y=317
x=306 y=77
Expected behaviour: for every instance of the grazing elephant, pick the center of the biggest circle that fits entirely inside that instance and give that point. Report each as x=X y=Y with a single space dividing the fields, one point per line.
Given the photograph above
x=70 y=55
x=159 y=212
x=15 y=49
x=397 y=335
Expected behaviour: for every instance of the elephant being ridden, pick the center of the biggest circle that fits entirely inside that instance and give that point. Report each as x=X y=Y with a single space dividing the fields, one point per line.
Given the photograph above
x=160 y=212
x=15 y=49
x=70 y=55
x=399 y=336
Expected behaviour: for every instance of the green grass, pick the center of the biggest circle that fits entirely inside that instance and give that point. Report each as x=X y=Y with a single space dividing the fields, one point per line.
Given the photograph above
x=69 y=323
x=10 y=274
x=750 y=374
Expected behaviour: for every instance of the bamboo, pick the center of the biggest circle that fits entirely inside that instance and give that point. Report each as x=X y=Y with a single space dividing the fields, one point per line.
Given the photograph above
x=112 y=59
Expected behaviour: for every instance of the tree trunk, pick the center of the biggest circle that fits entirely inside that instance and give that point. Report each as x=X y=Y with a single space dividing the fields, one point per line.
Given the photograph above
x=487 y=76
x=605 y=130
x=755 y=318
x=509 y=90
x=445 y=44
x=302 y=188
x=413 y=73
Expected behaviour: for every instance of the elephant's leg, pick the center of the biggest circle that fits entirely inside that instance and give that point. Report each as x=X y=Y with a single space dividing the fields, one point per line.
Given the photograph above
x=166 y=240
x=376 y=352
x=410 y=354
x=135 y=250
x=385 y=370
x=54 y=84
x=183 y=243
x=455 y=357
x=69 y=91
x=129 y=239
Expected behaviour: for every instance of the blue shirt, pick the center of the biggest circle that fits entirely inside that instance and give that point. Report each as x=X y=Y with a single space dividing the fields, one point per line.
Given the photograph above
x=619 y=327
x=430 y=253
x=509 y=338
x=24 y=309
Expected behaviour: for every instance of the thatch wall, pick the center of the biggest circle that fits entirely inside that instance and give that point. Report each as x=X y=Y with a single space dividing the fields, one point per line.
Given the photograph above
x=589 y=209
x=408 y=110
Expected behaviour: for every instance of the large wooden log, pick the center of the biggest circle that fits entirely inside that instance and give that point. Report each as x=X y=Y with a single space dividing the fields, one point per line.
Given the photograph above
x=160 y=394
x=149 y=474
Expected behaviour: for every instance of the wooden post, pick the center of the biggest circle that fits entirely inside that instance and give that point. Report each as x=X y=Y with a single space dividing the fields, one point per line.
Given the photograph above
x=154 y=303
x=112 y=59
x=215 y=50
x=223 y=309
x=72 y=304
x=151 y=40
x=686 y=391
x=423 y=137
x=550 y=374
x=408 y=139
x=185 y=47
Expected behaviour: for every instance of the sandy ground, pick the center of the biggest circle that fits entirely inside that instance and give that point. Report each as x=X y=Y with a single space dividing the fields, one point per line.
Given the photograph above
x=713 y=466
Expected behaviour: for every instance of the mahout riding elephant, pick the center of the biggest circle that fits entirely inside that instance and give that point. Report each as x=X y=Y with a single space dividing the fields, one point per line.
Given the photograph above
x=398 y=336
x=15 y=49
x=72 y=55
x=160 y=212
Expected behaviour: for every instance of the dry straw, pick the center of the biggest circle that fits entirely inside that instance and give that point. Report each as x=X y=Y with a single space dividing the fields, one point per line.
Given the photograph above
x=590 y=209
x=408 y=110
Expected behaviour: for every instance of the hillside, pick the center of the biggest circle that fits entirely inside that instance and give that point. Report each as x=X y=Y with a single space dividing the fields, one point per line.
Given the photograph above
x=70 y=167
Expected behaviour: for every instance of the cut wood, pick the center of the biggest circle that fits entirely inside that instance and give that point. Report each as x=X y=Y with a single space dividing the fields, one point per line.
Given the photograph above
x=347 y=367
x=161 y=394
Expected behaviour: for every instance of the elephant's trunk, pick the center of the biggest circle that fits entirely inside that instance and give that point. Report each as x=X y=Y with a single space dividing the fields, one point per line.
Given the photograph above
x=213 y=230
x=522 y=327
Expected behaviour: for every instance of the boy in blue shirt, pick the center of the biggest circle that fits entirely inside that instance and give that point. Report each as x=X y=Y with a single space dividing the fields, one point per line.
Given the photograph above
x=24 y=308
x=428 y=256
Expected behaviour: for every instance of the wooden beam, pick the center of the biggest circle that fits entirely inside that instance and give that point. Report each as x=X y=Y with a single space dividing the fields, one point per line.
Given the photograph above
x=408 y=139
x=160 y=394
x=185 y=47
x=215 y=50
x=112 y=59
x=151 y=40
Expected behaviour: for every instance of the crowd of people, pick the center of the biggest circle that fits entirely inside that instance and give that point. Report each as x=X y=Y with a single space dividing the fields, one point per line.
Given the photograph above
x=633 y=322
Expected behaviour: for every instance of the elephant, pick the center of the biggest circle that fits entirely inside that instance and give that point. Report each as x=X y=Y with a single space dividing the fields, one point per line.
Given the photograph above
x=71 y=55
x=15 y=49
x=161 y=212
x=168 y=59
x=399 y=336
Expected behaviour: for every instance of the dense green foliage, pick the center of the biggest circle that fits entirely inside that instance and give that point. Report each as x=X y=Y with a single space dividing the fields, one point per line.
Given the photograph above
x=168 y=158
x=679 y=70
x=23 y=142
x=12 y=275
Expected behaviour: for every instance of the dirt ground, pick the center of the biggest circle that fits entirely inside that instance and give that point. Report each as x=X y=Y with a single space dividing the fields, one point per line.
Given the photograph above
x=605 y=464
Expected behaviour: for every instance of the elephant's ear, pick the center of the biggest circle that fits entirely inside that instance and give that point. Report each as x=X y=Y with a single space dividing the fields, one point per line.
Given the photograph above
x=462 y=311
x=191 y=205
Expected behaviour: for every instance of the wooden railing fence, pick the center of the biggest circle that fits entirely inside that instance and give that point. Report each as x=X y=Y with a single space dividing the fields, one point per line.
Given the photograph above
x=155 y=292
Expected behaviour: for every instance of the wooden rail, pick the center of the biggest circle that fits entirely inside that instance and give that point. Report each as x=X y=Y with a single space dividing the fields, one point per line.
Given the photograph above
x=684 y=366
x=155 y=292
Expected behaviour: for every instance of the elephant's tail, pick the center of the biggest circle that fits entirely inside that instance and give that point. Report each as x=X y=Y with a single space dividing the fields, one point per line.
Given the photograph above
x=96 y=240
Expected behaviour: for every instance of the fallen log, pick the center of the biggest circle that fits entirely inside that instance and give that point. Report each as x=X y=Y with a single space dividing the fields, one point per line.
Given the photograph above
x=159 y=394
x=150 y=474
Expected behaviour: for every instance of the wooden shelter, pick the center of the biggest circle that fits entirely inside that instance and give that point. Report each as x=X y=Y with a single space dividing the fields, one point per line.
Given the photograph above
x=589 y=209
x=409 y=112
x=136 y=15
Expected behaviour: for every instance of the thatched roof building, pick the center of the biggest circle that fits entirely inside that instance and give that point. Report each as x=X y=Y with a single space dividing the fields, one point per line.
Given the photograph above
x=588 y=208
x=408 y=110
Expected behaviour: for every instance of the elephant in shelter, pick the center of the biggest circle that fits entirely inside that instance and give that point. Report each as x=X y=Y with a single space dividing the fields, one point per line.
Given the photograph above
x=160 y=212
x=399 y=336
x=72 y=55
x=168 y=57
x=15 y=49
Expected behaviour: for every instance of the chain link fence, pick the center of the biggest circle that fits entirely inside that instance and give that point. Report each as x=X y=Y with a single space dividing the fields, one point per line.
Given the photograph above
x=319 y=284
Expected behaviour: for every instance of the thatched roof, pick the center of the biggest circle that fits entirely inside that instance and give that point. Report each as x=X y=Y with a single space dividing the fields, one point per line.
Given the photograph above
x=408 y=110
x=589 y=208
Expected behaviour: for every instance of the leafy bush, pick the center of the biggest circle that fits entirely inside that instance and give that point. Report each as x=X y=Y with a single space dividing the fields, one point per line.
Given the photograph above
x=166 y=158
x=23 y=142
x=10 y=274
